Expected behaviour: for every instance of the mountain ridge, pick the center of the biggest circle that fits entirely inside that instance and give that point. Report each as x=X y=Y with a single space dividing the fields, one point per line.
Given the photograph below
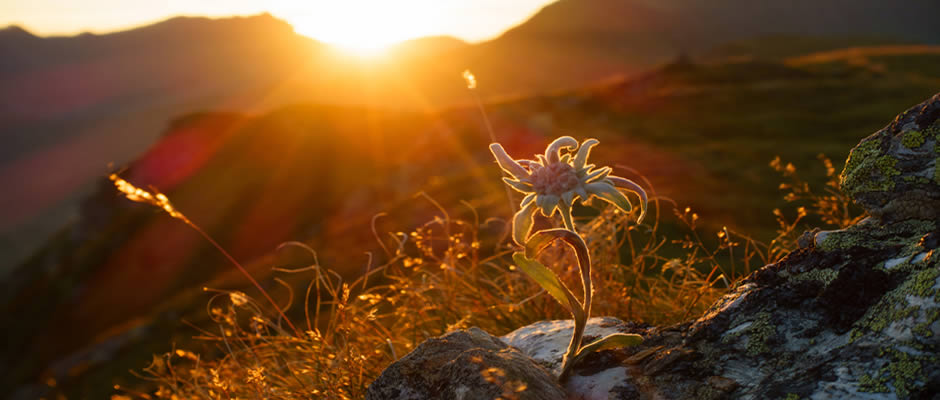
x=71 y=105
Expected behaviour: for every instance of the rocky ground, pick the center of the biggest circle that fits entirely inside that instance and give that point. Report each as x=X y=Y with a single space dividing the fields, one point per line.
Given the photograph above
x=851 y=314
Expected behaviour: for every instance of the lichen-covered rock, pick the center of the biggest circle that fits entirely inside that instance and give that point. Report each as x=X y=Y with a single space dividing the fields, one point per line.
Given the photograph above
x=599 y=377
x=468 y=365
x=857 y=318
x=893 y=174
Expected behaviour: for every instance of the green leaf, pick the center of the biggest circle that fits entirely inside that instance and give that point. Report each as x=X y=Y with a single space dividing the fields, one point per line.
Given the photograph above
x=549 y=281
x=543 y=238
x=616 y=340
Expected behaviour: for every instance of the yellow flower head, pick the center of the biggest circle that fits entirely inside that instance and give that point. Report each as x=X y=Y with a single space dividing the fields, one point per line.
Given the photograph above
x=556 y=179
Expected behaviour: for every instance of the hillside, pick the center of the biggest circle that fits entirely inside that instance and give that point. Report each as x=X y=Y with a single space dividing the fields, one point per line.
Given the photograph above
x=71 y=105
x=703 y=134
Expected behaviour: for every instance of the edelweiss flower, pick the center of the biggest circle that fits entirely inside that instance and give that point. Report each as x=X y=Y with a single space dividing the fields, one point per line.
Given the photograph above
x=553 y=181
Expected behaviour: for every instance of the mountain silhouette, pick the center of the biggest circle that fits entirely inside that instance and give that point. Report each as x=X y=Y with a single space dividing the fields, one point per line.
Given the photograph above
x=71 y=105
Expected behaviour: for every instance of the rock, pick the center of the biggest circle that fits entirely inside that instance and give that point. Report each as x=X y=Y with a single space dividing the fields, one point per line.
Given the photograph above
x=893 y=174
x=547 y=341
x=468 y=365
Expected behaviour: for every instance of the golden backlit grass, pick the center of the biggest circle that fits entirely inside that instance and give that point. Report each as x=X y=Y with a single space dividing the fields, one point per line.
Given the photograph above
x=449 y=273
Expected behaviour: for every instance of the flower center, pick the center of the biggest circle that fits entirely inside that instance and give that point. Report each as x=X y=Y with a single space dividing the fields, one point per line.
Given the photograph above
x=555 y=179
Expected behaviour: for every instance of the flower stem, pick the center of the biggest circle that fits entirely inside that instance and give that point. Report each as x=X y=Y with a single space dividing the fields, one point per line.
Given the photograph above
x=580 y=322
x=569 y=224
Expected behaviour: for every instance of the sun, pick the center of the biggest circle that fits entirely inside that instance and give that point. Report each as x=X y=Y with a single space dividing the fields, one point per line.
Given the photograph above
x=366 y=28
x=365 y=46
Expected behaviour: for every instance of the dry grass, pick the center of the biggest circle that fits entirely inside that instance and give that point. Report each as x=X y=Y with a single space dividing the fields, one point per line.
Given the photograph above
x=444 y=275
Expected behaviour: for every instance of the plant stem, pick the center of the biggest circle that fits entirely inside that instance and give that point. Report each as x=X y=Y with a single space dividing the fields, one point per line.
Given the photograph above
x=580 y=322
x=244 y=272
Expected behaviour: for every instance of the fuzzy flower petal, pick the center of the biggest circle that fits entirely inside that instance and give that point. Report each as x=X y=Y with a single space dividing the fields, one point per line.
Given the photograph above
x=528 y=199
x=521 y=186
x=547 y=203
x=552 y=153
x=605 y=190
x=625 y=183
x=580 y=159
x=522 y=223
x=597 y=175
x=507 y=163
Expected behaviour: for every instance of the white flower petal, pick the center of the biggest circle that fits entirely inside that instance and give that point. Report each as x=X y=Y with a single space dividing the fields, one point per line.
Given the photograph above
x=633 y=187
x=507 y=163
x=522 y=223
x=567 y=198
x=606 y=191
x=528 y=199
x=553 y=149
x=597 y=175
x=580 y=158
x=581 y=191
x=541 y=159
x=547 y=203
x=519 y=186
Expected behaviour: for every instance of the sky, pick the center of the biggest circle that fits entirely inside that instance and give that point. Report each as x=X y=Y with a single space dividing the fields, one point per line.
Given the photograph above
x=362 y=24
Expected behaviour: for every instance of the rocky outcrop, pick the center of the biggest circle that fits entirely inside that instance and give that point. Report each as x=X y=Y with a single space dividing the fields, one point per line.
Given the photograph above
x=893 y=173
x=851 y=314
x=468 y=365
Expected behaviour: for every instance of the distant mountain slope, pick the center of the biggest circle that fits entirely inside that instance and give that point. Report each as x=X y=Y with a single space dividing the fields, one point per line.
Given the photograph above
x=71 y=105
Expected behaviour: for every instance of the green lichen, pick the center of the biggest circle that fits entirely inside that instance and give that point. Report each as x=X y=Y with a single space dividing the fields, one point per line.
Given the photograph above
x=867 y=170
x=759 y=333
x=922 y=283
x=933 y=129
x=894 y=306
x=825 y=276
x=905 y=372
x=882 y=237
x=792 y=396
x=923 y=328
x=913 y=139
x=872 y=385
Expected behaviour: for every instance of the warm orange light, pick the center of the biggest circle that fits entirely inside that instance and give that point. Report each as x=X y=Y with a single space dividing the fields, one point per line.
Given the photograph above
x=366 y=28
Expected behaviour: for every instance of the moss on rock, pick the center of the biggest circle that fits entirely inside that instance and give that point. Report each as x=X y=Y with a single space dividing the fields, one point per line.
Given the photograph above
x=913 y=139
x=878 y=237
